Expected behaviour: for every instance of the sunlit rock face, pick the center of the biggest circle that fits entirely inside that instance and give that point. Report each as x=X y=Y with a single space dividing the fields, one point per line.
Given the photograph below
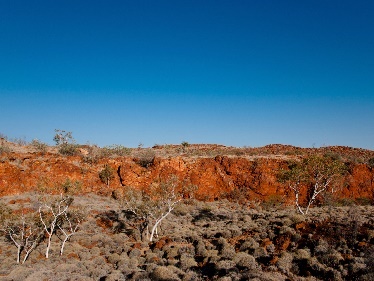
x=214 y=170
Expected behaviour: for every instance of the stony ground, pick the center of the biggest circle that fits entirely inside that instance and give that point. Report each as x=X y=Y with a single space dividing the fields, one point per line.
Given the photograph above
x=202 y=241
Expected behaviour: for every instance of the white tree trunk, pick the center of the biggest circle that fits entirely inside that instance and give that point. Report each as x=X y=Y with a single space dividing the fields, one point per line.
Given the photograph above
x=158 y=221
x=48 y=246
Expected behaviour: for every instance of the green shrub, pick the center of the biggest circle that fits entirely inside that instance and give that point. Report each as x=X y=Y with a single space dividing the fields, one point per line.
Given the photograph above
x=66 y=143
x=68 y=149
x=71 y=187
x=106 y=174
x=333 y=155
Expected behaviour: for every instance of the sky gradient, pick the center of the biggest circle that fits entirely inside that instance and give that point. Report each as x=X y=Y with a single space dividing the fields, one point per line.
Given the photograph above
x=240 y=73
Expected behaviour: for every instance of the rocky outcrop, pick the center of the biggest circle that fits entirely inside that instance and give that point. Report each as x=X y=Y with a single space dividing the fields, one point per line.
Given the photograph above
x=214 y=176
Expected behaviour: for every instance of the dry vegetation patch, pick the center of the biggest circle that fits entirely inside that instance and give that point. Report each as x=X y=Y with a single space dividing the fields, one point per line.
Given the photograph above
x=205 y=241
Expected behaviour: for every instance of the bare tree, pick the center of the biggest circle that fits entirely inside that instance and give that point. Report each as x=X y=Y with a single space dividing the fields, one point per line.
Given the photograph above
x=24 y=233
x=315 y=174
x=51 y=216
x=154 y=205
x=137 y=203
x=165 y=198
x=69 y=225
x=294 y=177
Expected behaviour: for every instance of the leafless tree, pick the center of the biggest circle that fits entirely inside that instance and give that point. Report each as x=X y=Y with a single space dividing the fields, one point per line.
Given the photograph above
x=23 y=232
x=68 y=225
x=51 y=216
x=165 y=198
x=316 y=174
x=152 y=206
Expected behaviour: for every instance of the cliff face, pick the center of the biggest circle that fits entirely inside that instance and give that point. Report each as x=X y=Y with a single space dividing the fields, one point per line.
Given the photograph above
x=215 y=176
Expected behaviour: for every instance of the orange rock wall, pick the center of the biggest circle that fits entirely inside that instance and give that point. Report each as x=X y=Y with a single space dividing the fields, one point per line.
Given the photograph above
x=213 y=176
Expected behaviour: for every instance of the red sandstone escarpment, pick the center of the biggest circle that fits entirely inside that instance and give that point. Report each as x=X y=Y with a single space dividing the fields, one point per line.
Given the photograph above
x=253 y=170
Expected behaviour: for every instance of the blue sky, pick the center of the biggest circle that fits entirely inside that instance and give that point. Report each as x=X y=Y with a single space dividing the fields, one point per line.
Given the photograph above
x=241 y=73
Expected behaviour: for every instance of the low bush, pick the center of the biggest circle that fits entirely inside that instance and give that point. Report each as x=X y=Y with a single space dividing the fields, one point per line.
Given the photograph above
x=70 y=187
x=4 y=149
x=262 y=245
x=68 y=149
x=245 y=261
x=371 y=163
x=39 y=146
x=106 y=174
x=145 y=157
x=115 y=150
x=163 y=273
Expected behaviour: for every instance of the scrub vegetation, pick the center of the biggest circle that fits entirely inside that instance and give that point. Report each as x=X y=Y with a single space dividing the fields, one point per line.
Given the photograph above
x=196 y=241
x=160 y=231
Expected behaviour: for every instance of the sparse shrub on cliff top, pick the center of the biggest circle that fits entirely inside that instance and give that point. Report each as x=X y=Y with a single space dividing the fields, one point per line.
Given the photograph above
x=66 y=143
x=63 y=137
x=145 y=157
x=115 y=150
x=4 y=149
x=39 y=146
x=68 y=149
x=185 y=146
x=94 y=154
x=371 y=163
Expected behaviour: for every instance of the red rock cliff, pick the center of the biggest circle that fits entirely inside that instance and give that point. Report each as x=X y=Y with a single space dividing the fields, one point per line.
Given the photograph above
x=214 y=176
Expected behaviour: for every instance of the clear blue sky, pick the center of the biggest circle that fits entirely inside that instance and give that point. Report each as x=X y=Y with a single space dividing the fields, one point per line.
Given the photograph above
x=229 y=72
